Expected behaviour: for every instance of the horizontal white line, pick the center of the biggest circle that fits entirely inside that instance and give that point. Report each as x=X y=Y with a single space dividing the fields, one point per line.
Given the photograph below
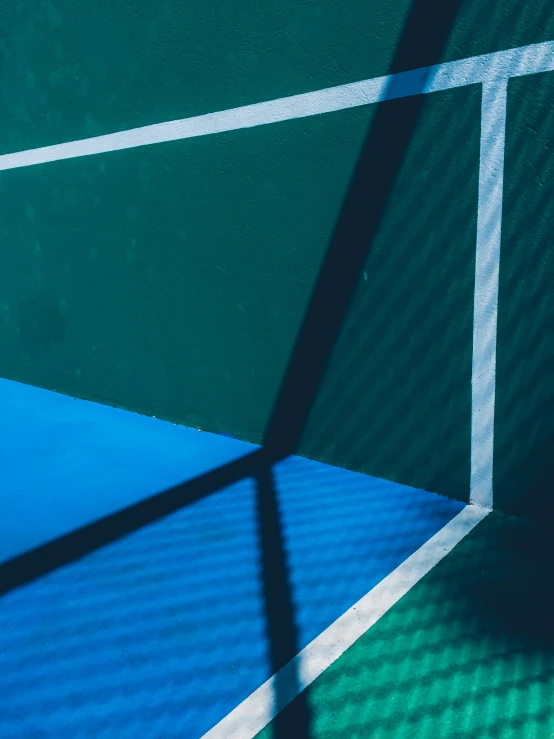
x=501 y=64
x=254 y=713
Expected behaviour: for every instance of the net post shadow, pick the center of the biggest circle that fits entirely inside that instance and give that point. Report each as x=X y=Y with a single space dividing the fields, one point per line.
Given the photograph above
x=281 y=628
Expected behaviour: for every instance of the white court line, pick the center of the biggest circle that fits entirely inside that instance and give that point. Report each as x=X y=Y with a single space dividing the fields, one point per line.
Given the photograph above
x=485 y=302
x=498 y=65
x=254 y=713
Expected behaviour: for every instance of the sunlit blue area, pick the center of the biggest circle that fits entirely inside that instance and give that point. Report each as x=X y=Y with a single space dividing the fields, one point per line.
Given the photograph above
x=163 y=632
x=65 y=462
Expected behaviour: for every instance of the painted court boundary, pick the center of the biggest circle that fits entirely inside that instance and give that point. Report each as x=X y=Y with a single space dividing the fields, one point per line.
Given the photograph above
x=256 y=712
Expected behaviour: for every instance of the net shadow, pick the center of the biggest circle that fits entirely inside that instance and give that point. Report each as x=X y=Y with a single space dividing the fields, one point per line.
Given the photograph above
x=73 y=546
x=376 y=174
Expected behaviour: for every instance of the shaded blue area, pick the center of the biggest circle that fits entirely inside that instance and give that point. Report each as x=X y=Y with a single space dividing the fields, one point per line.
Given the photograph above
x=164 y=632
x=345 y=531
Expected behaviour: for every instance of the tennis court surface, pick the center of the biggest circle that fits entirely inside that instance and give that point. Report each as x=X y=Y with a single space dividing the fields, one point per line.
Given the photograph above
x=165 y=630
x=160 y=620
x=157 y=580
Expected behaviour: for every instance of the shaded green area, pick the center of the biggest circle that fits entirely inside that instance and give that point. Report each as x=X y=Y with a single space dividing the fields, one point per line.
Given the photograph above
x=482 y=28
x=468 y=652
x=396 y=401
x=524 y=424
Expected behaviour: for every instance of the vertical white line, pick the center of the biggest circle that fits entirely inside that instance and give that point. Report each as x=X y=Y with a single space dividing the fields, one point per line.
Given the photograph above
x=485 y=304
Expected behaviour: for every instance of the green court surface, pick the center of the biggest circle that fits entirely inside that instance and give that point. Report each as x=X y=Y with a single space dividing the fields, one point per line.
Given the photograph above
x=468 y=652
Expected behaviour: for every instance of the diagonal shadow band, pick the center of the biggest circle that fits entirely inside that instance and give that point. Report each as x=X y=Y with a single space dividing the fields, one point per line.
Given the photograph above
x=280 y=610
x=422 y=42
x=29 y=566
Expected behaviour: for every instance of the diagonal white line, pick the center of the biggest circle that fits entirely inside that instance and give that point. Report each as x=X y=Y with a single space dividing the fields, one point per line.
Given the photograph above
x=499 y=65
x=254 y=713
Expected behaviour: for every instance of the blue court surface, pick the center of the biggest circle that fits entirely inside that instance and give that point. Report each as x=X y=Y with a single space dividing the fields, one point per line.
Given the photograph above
x=164 y=629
